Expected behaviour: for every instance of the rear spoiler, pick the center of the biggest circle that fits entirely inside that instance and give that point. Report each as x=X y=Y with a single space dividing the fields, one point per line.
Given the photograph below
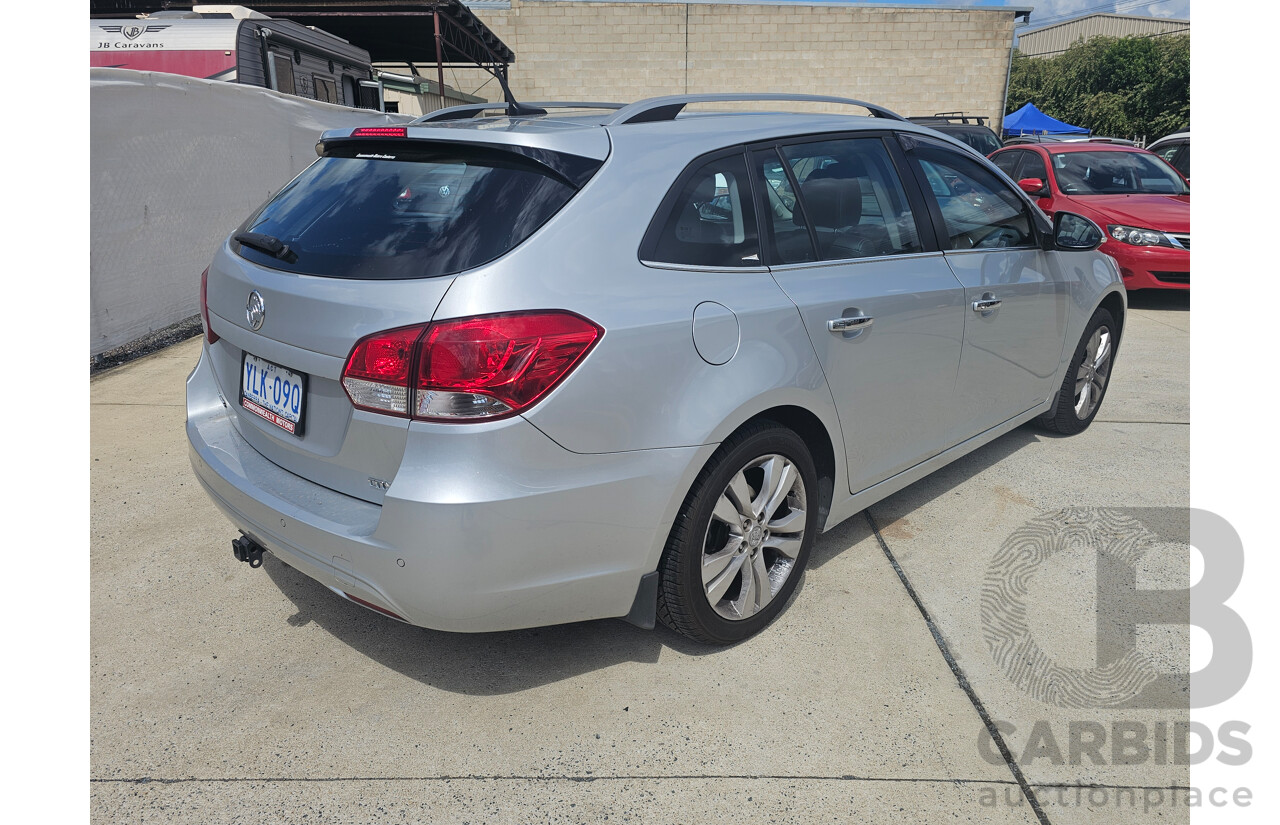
x=574 y=170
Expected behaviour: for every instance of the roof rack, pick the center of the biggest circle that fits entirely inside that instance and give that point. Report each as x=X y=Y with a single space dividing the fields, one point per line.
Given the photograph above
x=666 y=108
x=471 y=110
x=954 y=118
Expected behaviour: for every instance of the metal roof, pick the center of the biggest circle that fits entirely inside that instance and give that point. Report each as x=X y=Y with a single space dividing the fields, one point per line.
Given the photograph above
x=401 y=31
x=1146 y=18
x=1020 y=10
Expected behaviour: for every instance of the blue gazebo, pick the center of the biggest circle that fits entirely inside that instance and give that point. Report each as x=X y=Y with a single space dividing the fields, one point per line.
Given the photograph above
x=1031 y=121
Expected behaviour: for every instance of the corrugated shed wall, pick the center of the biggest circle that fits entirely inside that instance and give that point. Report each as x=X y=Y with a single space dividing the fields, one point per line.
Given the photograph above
x=1054 y=40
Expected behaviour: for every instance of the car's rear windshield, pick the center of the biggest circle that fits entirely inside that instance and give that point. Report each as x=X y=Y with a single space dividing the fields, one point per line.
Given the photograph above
x=983 y=140
x=1115 y=173
x=391 y=212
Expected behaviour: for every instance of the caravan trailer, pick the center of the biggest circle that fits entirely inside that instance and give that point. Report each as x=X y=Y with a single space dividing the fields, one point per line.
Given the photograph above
x=239 y=45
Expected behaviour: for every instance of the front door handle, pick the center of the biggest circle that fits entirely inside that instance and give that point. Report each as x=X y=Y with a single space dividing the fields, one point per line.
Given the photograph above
x=847 y=324
x=986 y=304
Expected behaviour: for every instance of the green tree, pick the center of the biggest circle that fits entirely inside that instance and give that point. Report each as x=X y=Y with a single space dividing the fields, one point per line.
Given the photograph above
x=1119 y=87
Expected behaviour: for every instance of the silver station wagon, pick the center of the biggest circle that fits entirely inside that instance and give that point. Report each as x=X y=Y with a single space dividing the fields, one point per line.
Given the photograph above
x=492 y=371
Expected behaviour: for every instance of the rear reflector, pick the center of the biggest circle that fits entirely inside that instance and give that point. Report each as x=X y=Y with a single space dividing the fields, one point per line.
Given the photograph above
x=373 y=606
x=380 y=131
x=467 y=369
x=210 y=335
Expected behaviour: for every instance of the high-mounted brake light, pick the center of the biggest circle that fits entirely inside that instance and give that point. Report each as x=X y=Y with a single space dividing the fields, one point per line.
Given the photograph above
x=210 y=335
x=381 y=131
x=468 y=369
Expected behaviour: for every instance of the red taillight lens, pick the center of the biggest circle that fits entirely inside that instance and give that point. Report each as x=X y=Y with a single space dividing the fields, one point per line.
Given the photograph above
x=377 y=373
x=209 y=334
x=469 y=369
x=499 y=364
x=380 y=131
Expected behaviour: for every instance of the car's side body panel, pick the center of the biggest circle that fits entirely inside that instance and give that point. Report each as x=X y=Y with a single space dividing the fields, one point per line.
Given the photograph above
x=913 y=346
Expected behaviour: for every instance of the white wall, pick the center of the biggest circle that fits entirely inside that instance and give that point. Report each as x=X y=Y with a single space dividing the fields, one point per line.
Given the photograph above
x=176 y=163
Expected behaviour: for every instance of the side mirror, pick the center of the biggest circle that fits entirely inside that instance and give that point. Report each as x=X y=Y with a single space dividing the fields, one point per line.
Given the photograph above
x=1076 y=233
x=1034 y=187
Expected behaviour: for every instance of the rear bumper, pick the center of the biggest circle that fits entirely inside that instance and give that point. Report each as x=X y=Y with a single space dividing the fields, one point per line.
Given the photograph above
x=1151 y=267
x=485 y=527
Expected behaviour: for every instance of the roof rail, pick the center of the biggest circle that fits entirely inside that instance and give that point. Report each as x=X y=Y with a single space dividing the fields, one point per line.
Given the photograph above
x=666 y=108
x=471 y=110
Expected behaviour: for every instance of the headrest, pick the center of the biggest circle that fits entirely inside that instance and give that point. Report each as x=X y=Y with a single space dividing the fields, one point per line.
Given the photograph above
x=834 y=203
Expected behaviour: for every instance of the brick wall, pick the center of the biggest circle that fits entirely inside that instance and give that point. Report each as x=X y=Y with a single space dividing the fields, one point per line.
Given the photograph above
x=914 y=61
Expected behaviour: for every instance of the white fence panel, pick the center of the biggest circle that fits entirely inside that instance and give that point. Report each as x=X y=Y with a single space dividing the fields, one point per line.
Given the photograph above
x=176 y=163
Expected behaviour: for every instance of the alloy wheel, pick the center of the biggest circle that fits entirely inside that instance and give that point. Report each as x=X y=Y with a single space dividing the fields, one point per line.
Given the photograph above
x=1091 y=378
x=754 y=536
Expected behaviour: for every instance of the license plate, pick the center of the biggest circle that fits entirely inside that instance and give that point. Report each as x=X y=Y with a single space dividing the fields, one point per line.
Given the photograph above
x=273 y=393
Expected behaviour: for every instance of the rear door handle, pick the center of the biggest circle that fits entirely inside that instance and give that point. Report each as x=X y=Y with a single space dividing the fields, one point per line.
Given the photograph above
x=986 y=304
x=847 y=324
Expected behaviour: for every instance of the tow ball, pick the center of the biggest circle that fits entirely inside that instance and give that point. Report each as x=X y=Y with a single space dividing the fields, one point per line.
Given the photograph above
x=246 y=549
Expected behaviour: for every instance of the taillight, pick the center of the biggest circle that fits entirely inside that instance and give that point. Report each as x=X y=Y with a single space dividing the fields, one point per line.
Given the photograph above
x=468 y=369
x=497 y=365
x=210 y=335
x=378 y=370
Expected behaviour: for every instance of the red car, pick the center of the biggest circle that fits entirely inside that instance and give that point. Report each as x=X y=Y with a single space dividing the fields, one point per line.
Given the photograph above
x=1142 y=204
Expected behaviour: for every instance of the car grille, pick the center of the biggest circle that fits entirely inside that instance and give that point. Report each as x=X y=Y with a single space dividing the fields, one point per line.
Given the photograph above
x=1183 y=241
x=1173 y=277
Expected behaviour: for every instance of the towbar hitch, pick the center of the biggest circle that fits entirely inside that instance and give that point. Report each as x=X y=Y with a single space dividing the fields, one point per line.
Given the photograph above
x=246 y=549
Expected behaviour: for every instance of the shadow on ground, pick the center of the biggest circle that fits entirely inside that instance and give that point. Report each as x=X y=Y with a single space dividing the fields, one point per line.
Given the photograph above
x=1169 y=300
x=485 y=664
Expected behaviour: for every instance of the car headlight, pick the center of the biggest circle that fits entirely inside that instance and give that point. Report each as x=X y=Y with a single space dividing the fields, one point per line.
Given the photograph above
x=1138 y=237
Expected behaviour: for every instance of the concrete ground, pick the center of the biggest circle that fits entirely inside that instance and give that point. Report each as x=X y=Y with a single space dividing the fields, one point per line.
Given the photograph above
x=223 y=694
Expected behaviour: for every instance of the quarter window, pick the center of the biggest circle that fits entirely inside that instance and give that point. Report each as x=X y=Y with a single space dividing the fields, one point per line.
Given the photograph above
x=710 y=221
x=978 y=209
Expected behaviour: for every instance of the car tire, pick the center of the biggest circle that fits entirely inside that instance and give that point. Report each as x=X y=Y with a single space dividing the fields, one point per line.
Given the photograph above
x=747 y=537
x=1088 y=376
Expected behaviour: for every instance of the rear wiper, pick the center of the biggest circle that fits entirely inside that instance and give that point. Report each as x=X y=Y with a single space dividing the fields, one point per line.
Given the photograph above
x=266 y=243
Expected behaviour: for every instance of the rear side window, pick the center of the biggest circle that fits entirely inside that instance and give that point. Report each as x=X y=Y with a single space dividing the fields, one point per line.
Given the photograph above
x=851 y=198
x=381 y=212
x=708 y=221
x=1008 y=162
x=983 y=141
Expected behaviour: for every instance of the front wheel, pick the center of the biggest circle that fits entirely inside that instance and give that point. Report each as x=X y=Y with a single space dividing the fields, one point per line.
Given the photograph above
x=1085 y=383
x=741 y=540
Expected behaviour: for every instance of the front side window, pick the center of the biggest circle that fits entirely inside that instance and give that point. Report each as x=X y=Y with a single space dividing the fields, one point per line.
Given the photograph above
x=980 y=211
x=709 y=222
x=1033 y=167
x=1115 y=173
x=851 y=197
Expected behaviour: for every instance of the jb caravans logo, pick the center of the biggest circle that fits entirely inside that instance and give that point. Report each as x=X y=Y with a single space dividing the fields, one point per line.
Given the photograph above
x=131 y=32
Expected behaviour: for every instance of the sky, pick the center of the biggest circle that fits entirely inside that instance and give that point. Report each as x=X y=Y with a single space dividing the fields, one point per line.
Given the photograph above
x=1053 y=11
